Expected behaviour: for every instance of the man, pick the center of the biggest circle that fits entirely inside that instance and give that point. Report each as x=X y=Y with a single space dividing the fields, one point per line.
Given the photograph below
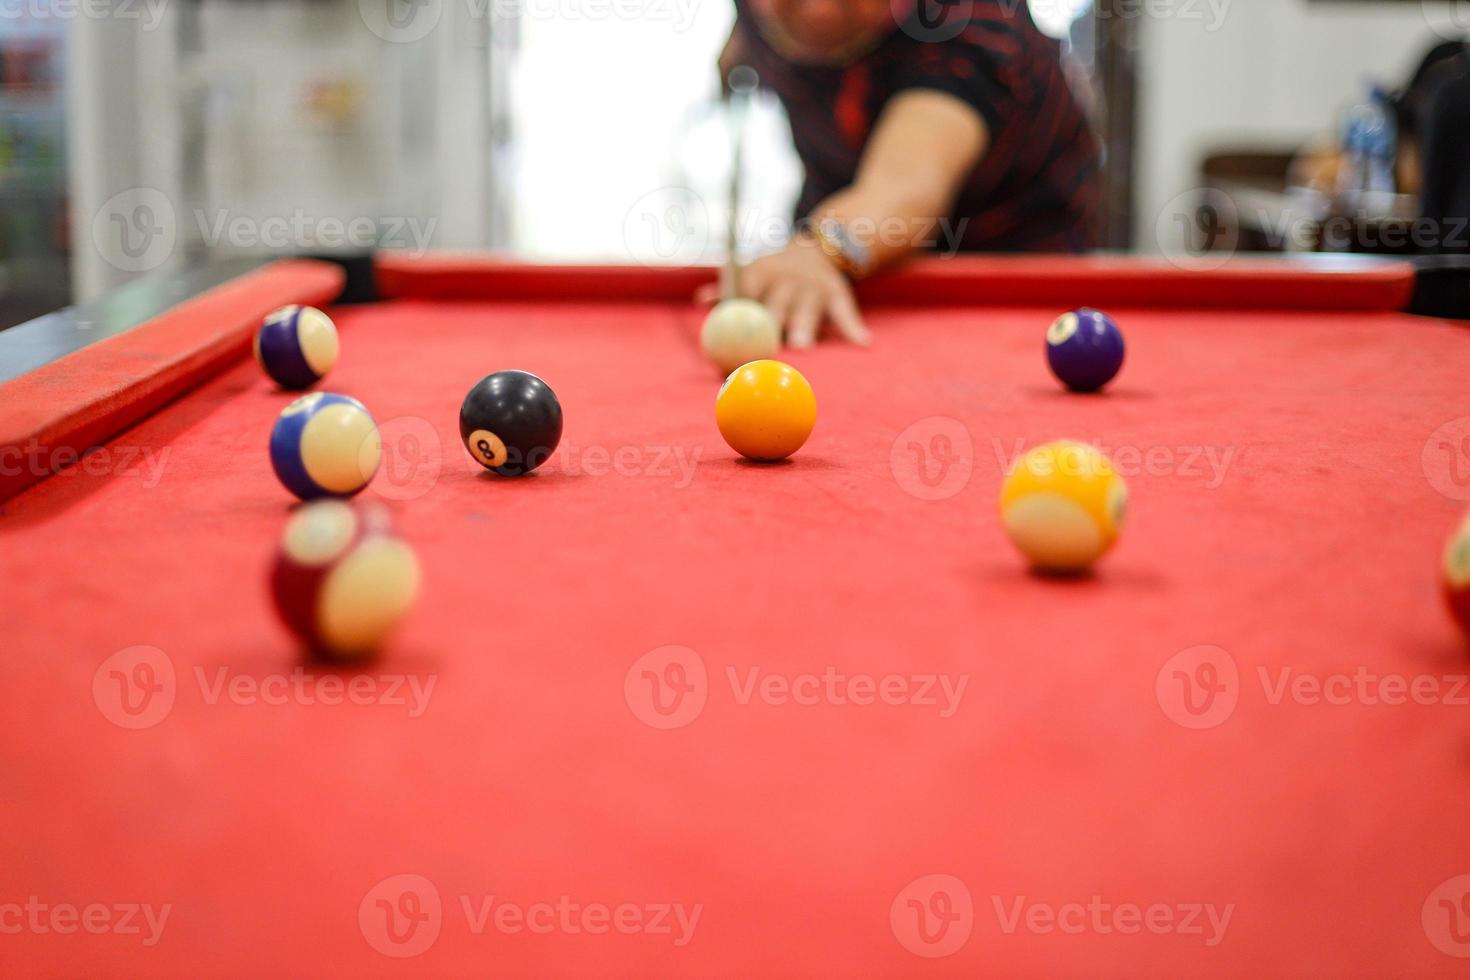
x=914 y=122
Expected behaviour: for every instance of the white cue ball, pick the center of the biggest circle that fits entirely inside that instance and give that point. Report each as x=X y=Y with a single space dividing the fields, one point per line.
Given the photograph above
x=739 y=331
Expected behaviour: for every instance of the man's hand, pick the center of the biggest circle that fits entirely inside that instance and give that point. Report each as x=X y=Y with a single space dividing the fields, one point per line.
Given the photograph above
x=802 y=289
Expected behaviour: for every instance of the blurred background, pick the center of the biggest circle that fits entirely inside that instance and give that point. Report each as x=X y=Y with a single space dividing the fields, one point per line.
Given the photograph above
x=138 y=135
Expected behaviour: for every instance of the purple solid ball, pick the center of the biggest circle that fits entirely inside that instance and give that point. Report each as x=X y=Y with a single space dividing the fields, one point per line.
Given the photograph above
x=1084 y=349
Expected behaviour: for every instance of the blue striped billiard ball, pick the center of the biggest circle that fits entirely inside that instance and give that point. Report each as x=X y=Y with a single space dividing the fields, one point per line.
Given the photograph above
x=325 y=445
x=1084 y=349
x=297 y=346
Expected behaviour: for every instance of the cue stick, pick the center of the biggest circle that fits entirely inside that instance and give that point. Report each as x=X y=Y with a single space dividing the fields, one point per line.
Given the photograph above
x=743 y=81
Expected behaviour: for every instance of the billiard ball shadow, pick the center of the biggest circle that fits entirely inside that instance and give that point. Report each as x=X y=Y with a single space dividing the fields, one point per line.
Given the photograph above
x=525 y=479
x=545 y=478
x=391 y=659
x=1108 y=393
x=1097 y=576
x=362 y=497
x=271 y=659
x=316 y=661
x=1064 y=577
x=289 y=506
x=790 y=462
x=1447 y=654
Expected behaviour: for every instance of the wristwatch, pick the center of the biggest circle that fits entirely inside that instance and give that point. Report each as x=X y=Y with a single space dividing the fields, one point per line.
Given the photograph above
x=839 y=245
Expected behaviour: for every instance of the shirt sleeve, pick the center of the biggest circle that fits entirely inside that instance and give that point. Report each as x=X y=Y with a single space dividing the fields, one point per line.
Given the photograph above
x=972 y=67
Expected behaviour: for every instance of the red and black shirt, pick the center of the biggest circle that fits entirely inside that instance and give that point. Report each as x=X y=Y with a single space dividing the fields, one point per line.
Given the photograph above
x=1035 y=188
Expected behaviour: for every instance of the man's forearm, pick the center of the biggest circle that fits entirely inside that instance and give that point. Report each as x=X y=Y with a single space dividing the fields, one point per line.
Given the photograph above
x=923 y=148
x=889 y=222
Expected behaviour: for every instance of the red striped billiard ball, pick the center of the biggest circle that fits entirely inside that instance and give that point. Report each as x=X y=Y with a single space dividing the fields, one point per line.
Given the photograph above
x=342 y=578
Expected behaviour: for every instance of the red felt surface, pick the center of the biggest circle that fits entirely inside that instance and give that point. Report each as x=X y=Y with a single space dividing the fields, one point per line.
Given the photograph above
x=532 y=776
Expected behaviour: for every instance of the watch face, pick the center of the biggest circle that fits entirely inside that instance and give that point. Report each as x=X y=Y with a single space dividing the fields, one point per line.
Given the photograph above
x=840 y=245
x=852 y=250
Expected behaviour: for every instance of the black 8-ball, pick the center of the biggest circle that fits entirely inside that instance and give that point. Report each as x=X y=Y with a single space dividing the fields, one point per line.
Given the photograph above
x=510 y=422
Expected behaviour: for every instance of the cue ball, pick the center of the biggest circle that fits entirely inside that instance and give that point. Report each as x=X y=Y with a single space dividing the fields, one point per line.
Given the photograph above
x=1063 y=506
x=1455 y=574
x=738 y=331
x=1084 y=349
x=325 y=445
x=342 y=579
x=297 y=346
x=510 y=422
x=765 y=410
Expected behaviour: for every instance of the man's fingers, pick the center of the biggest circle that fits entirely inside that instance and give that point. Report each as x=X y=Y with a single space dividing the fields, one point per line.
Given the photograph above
x=799 y=301
x=843 y=310
x=806 y=317
x=778 y=301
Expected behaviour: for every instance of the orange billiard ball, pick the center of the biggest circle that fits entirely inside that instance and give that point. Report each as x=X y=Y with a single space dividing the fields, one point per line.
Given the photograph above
x=765 y=410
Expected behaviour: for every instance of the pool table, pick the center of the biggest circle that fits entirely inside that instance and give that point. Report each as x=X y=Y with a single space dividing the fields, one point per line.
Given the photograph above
x=662 y=712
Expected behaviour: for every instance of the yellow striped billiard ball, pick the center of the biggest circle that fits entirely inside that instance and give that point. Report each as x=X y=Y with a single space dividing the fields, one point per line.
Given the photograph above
x=1063 y=506
x=765 y=410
